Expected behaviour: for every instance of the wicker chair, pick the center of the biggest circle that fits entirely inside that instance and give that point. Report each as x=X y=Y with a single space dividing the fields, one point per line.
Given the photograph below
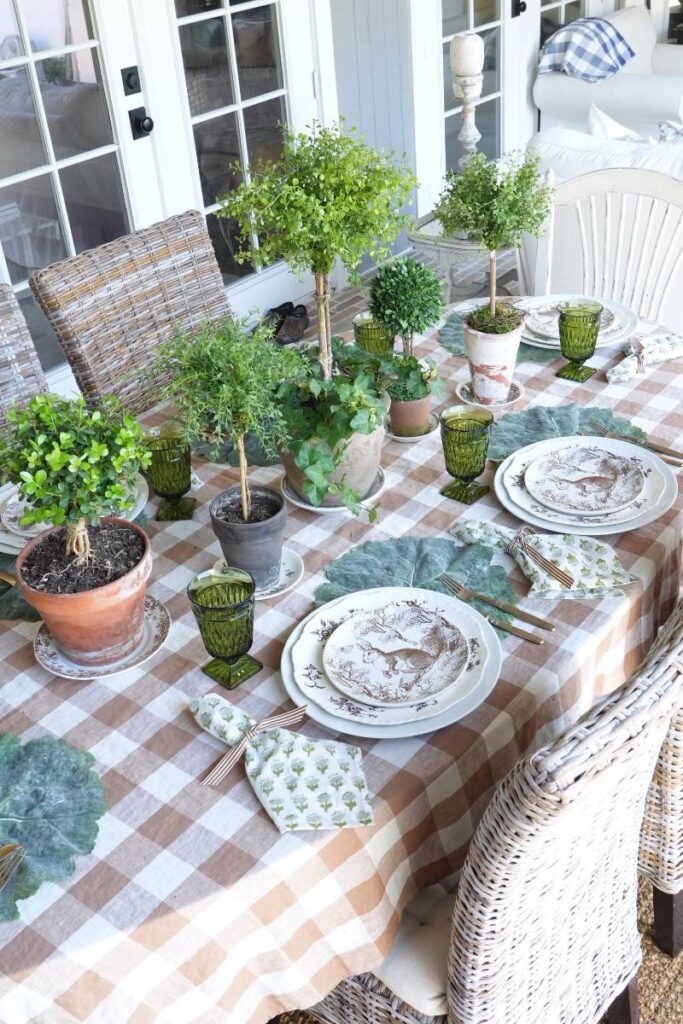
x=111 y=306
x=21 y=375
x=543 y=930
x=661 y=840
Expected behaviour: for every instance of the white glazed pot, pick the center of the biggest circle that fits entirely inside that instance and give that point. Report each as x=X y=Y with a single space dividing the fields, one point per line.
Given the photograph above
x=492 y=359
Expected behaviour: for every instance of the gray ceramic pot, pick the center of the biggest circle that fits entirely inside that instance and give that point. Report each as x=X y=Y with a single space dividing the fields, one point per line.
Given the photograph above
x=256 y=547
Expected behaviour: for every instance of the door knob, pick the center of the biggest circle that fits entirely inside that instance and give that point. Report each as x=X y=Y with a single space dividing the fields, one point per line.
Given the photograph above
x=141 y=123
x=518 y=7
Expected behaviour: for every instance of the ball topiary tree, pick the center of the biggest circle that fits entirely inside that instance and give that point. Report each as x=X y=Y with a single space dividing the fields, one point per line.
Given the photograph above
x=330 y=196
x=496 y=203
x=406 y=296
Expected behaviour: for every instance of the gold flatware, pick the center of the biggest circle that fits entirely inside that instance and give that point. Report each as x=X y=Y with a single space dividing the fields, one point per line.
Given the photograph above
x=7 y=577
x=465 y=594
x=11 y=856
x=521 y=541
x=669 y=455
x=508 y=627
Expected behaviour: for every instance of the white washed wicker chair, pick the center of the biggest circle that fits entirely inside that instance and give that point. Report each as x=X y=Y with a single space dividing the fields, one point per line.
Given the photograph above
x=21 y=375
x=544 y=924
x=661 y=839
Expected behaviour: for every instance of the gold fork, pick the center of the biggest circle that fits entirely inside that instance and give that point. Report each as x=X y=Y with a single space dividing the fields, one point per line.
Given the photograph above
x=466 y=594
x=669 y=455
x=11 y=856
x=506 y=626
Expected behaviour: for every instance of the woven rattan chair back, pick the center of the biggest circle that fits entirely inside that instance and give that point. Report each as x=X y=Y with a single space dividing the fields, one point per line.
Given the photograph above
x=544 y=926
x=21 y=375
x=110 y=307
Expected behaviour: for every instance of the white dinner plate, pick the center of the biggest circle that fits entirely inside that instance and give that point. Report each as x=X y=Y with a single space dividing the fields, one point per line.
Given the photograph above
x=352 y=726
x=625 y=321
x=660 y=493
x=584 y=479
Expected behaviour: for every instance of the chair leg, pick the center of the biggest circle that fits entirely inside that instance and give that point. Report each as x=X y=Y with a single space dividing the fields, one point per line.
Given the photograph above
x=624 y=1009
x=668 y=921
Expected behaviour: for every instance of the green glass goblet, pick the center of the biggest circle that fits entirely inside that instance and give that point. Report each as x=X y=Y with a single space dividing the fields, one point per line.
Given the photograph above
x=170 y=475
x=465 y=438
x=223 y=605
x=579 y=327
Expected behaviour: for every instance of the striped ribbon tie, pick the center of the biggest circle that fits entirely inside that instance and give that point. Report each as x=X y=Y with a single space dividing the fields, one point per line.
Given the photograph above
x=228 y=761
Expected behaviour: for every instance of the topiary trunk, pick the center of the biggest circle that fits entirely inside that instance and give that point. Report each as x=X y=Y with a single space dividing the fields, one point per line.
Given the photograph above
x=322 y=299
x=78 y=541
x=492 y=282
x=244 y=485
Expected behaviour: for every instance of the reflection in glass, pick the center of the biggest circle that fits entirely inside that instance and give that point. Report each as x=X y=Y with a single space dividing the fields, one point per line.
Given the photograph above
x=258 y=51
x=10 y=40
x=225 y=237
x=53 y=24
x=94 y=201
x=453 y=16
x=489 y=124
x=264 y=134
x=44 y=338
x=74 y=101
x=486 y=11
x=453 y=146
x=552 y=20
x=185 y=7
x=30 y=233
x=491 y=61
x=205 y=59
x=21 y=145
x=449 y=99
x=217 y=148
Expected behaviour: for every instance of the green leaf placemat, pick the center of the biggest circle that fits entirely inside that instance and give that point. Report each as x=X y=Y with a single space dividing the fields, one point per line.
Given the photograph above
x=416 y=562
x=515 y=430
x=50 y=802
x=452 y=337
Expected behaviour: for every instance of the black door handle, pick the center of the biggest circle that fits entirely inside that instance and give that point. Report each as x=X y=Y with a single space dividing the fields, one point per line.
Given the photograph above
x=141 y=123
x=518 y=7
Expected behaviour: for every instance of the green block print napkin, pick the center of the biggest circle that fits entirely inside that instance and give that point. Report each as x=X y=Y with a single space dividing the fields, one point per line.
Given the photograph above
x=515 y=430
x=452 y=338
x=302 y=783
x=593 y=564
x=657 y=348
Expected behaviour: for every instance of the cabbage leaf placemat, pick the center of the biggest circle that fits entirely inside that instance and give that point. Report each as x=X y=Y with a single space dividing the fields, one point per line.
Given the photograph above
x=515 y=430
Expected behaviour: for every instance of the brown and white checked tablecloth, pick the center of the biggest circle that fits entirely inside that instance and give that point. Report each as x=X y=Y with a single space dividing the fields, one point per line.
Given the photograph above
x=193 y=909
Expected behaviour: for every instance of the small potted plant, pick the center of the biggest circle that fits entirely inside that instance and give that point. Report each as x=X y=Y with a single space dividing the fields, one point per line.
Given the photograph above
x=223 y=383
x=410 y=385
x=330 y=197
x=76 y=468
x=406 y=296
x=495 y=203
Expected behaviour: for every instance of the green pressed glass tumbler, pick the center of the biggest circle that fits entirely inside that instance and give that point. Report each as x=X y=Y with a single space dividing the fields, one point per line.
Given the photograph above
x=223 y=605
x=371 y=335
x=579 y=326
x=465 y=438
x=170 y=475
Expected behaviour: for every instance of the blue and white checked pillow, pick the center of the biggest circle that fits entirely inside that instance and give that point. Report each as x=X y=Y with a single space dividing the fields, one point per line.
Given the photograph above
x=588 y=48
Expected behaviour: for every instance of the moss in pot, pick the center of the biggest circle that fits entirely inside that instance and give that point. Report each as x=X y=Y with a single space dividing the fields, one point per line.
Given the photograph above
x=411 y=383
x=495 y=203
x=75 y=468
x=223 y=383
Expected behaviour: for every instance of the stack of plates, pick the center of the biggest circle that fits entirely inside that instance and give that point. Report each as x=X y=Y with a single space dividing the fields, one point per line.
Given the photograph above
x=391 y=662
x=617 y=323
x=589 y=486
x=13 y=536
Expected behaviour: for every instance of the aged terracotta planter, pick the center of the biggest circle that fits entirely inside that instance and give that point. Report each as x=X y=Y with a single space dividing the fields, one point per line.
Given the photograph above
x=492 y=359
x=256 y=547
x=358 y=467
x=95 y=627
x=410 y=419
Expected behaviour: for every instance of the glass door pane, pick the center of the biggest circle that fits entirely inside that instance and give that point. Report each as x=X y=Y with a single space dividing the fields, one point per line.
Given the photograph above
x=61 y=187
x=554 y=15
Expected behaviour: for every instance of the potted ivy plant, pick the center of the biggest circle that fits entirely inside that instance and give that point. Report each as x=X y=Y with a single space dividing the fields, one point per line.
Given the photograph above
x=406 y=297
x=223 y=382
x=411 y=383
x=76 y=468
x=330 y=197
x=495 y=203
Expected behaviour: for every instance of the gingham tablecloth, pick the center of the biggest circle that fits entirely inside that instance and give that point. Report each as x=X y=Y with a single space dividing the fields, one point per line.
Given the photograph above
x=192 y=907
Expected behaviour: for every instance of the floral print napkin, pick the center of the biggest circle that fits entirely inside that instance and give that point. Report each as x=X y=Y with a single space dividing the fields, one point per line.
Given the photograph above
x=595 y=567
x=301 y=783
x=656 y=348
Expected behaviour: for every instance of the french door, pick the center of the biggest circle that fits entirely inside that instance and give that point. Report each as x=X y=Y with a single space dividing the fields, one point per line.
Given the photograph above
x=81 y=165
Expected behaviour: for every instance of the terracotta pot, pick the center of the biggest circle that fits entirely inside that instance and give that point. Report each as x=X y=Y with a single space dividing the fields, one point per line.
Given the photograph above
x=100 y=626
x=410 y=419
x=256 y=547
x=492 y=359
x=358 y=467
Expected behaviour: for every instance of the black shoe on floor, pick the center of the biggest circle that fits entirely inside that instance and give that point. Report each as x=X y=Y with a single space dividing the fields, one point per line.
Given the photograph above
x=294 y=326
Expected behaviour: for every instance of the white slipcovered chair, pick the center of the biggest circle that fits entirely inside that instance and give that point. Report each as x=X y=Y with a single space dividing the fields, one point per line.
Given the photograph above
x=543 y=927
x=648 y=89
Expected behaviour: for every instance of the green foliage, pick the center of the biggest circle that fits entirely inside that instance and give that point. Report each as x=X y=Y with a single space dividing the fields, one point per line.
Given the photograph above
x=71 y=462
x=322 y=415
x=504 y=320
x=50 y=802
x=330 y=196
x=410 y=379
x=223 y=382
x=515 y=430
x=494 y=202
x=406 y=296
